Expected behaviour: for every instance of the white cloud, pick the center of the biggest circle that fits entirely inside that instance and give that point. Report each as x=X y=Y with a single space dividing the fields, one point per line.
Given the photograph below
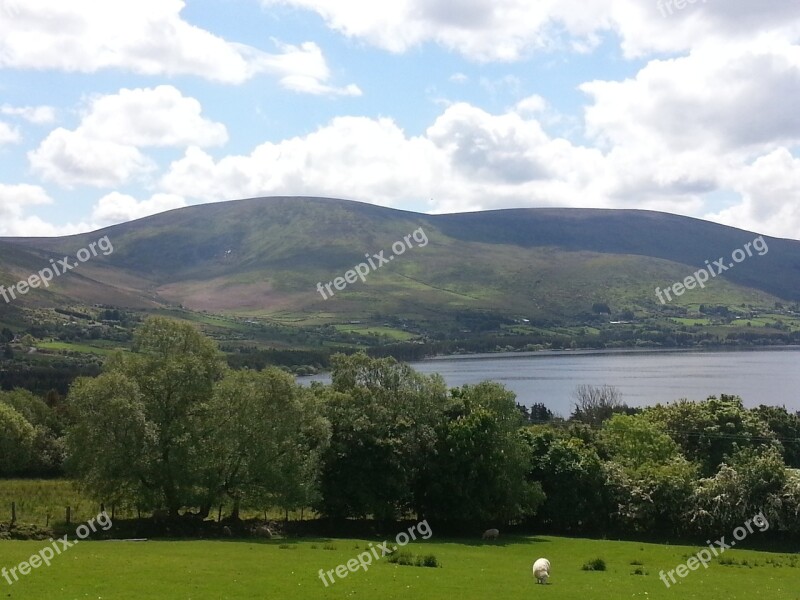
x=492 y=30
x=39 y=115
x=8 y=134
x=718 y=98
x=353 y=157
x=770 y=190
x=69 y=158
x=159 y=116
x=14 y=201
x=118 y=208
x=148 y=37
x=531 y=105
x=103 y=150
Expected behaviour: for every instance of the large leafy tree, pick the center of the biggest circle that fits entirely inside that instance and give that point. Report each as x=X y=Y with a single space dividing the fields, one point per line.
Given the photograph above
x=137 y=428
x=708 y=432
x=479 y=469
x=384 y=417
x=16 y=441
x=570 y=473
x=648 y=479
x=263 y=440
x=47 y=452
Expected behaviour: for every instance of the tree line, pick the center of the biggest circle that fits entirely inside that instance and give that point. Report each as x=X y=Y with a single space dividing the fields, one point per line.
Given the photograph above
x=170 y=426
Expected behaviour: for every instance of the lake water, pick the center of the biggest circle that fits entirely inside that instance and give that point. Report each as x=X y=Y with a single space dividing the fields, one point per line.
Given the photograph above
x=763 y=376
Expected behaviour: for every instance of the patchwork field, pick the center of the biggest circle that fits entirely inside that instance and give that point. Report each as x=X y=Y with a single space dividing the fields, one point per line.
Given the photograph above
x=283 y=569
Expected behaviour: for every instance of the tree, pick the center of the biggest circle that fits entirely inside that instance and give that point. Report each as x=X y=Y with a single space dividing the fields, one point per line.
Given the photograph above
x=710 y=431
x=137 y=428
x=634 y=441
x=569 y=471
x=537 y=413
x=595 y=404
x=786 y=427
x=263 y=442
x=383 y=419
x=481 y=463
x=16 y=441
x=47 y=452
x=751 y=481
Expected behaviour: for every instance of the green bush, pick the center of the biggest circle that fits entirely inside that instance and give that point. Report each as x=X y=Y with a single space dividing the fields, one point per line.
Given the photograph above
x=598 y=564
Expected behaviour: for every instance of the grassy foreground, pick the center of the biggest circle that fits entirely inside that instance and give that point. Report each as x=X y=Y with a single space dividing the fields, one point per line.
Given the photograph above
x=234 y=569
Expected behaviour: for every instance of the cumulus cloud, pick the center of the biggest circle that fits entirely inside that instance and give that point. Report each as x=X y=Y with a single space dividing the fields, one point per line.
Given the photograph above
x=770 y=191
x=717 y=98
x=15 y=200
x=39 y=115
x=492 y=30
x=103 y=150
x=118 y=208
x=350 y=157
x=147 y=37
x=8 y=134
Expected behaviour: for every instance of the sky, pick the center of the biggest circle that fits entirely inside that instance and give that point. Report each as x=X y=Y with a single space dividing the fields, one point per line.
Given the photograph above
x=114 y=110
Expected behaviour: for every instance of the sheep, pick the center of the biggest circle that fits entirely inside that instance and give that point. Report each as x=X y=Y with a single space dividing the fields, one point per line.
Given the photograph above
x=226 y=531
x=263 y=531
x=491 y=534
x=541 y=570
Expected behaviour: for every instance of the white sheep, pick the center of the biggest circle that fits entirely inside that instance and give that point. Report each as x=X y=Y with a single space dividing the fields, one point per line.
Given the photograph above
x=541 y=570
x=491 y=534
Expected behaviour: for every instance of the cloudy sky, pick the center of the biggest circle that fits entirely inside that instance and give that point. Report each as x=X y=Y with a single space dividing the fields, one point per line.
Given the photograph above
x=112 y=110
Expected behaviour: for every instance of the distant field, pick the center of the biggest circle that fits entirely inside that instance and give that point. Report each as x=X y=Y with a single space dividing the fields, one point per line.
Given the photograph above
x=284 y=569
x=390 y=332
x=74 y=347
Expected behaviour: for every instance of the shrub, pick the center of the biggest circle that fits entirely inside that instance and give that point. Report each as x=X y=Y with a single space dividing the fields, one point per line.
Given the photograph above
x=402 y=558
x=428 y=560
x=598 y=564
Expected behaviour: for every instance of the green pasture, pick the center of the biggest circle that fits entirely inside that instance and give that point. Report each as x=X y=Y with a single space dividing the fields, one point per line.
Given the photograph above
x=284 y=569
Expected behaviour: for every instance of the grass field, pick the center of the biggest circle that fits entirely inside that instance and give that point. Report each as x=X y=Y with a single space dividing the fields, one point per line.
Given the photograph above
x=285 y=569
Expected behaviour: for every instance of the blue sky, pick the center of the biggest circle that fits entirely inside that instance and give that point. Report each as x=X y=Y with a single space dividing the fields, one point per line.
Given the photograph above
x=112 y=111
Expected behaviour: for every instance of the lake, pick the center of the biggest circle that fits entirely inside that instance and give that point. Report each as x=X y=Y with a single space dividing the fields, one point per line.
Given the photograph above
x=645 y=377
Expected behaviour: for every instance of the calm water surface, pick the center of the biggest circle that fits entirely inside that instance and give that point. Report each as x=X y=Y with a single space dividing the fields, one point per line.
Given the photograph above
x=768 y=376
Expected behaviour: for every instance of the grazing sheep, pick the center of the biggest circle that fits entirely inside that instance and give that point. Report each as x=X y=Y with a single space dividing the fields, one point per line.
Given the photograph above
x=263 y=531
x=491 y=534
x=541 y=570
x=226 y=531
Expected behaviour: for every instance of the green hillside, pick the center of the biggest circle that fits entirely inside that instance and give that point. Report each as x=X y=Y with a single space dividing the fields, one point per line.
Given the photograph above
x=248 y=272
x=265 y=256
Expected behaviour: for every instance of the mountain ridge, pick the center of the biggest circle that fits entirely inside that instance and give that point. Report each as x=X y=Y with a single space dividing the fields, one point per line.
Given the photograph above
x=265 y=256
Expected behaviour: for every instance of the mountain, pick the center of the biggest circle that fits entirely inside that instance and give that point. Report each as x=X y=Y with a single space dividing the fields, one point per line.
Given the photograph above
x=265 y=256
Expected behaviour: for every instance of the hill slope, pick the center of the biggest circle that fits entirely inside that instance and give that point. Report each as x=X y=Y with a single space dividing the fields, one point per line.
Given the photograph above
x=265 y=256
